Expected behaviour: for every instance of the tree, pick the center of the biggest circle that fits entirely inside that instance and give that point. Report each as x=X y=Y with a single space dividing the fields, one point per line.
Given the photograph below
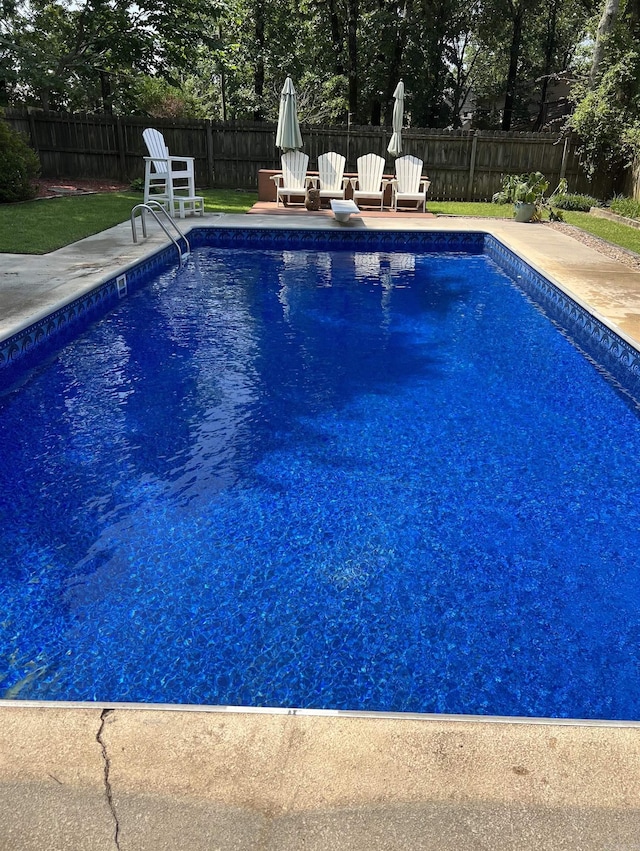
x=605 y=27
x=462 y=56
x=229 y=58
x=353 y=13
x=545 y=44
x=516 y=9
x=606 y=116
x=556 y=31
x=68 y=54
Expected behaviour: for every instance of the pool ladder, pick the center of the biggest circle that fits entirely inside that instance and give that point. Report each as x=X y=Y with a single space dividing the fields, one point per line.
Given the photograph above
x=155 y=207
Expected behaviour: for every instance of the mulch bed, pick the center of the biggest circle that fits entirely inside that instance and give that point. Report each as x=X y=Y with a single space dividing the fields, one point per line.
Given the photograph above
x=56 y=187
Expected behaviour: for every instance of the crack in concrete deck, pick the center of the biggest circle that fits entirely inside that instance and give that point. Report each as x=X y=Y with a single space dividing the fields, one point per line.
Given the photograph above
x=107 y=782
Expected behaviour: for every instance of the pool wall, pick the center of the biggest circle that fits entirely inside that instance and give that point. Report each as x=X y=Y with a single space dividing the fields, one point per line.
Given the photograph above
x=39 y=340
x=32 y=344
x=588 y=333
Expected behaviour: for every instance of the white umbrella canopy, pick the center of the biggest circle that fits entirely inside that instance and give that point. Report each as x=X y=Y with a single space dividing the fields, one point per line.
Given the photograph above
x=395 y=145
x=288 y=136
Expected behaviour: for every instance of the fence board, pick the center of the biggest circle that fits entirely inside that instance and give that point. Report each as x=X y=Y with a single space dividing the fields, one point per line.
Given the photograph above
x=230 y=154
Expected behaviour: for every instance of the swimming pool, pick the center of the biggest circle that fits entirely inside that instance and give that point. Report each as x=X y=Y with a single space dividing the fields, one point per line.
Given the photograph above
x=357 y=479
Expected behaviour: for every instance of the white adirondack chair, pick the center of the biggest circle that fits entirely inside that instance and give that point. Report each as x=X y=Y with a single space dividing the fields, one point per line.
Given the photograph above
x=293 y=178
x=170 y=180
x=332 y=182
x=409 y=184
x=369 y=183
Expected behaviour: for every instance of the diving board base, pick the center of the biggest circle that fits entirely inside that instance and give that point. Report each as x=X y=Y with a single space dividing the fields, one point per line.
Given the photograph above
x=343 y=209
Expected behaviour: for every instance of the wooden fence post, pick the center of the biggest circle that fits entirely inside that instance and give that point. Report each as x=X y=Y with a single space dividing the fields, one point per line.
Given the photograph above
x=472 y=165
x=210 y=172
x=32 y=133
x=122 y=159
x=565 y=151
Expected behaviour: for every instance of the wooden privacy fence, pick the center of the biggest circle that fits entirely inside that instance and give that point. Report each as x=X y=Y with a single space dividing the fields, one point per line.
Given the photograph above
x=462 y=165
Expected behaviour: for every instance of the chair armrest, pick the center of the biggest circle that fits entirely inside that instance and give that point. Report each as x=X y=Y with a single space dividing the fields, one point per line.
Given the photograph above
x=426 y=183
x=311 y=182
x=345 y=182
x=187 y=160
x=353 y=181
x=277 y=179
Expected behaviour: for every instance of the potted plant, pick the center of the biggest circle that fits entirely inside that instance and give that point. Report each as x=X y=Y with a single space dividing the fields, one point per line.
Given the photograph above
x=526 y=192
x=528 y=197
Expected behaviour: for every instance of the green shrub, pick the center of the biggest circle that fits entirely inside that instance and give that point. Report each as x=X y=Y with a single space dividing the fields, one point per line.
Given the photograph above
x=625 y=207
x=575 y=202
x=18 y=166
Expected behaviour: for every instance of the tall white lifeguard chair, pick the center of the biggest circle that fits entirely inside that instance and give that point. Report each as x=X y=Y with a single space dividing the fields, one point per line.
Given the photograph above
x=169 y=180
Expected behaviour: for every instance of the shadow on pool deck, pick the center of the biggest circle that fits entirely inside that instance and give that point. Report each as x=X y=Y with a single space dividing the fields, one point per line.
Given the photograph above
x=152 y=778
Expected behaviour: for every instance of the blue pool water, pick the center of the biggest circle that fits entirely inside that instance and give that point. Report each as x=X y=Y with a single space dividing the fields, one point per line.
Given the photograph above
x=376 y=481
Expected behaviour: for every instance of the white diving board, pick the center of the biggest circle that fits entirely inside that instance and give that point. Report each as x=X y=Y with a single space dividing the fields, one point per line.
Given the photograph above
x=343 y=209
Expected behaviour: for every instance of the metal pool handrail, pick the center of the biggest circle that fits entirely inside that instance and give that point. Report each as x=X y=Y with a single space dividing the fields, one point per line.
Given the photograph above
x=152 y=207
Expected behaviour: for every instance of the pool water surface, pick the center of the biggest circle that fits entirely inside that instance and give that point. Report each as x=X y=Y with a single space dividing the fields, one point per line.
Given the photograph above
x=328 y=479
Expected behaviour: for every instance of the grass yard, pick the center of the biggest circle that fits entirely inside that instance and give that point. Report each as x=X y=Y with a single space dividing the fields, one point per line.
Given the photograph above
x=37 y=227
x=614 y=232
x=469 y=208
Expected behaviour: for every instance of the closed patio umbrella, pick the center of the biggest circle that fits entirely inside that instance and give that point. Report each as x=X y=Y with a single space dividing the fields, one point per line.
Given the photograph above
x=395 y=145
x=288 y=136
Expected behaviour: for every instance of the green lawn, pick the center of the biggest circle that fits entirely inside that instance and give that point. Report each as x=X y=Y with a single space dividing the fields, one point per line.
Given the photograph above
x=468 y=208
x=37 y=227
x=610 y=231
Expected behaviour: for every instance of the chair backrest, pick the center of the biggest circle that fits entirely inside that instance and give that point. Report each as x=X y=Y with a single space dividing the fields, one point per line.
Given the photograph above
x=408 y=173
x=294 y=169
x=370 y=171
x=154 y=140
x=331 y=170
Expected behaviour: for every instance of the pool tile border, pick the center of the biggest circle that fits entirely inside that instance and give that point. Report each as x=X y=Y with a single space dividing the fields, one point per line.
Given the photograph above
x=606 y=349
x=469 y=242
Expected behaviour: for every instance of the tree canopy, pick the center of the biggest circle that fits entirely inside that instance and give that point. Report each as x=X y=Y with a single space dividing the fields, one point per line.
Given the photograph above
x=228 y=58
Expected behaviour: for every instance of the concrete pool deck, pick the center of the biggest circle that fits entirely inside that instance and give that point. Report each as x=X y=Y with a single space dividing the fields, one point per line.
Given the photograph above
x=116 y=777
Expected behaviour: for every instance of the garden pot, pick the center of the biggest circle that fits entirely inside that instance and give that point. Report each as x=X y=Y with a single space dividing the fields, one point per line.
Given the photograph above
x=312 y=199
x=524 y=211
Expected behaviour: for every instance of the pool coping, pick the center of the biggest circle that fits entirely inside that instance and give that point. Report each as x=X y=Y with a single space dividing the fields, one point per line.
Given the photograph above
x=131 y=775
x=300 y=712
